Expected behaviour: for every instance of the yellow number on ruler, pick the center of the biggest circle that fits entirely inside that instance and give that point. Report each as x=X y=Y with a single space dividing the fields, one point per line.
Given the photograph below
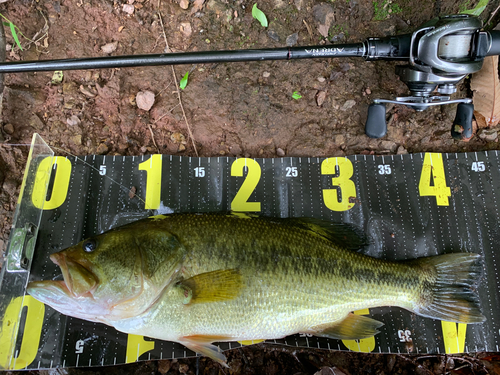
x=345 y=185
x=152 y=166
x=240 y=201
x=137 y=346
x=31 y=337
x=363 y=345
x=454 y=337
x=60 y=187
x=433 y=167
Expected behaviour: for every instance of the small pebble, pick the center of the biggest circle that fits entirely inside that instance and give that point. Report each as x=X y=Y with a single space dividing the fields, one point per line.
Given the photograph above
x=145 y=99
x=368 y=91
x=9 y=129
x=102 y=149
x=321 y=79
x=109 y=47
x=128 y=8
x=184 y=4
x=266 y=74
x=280 y=152
x=73 y=120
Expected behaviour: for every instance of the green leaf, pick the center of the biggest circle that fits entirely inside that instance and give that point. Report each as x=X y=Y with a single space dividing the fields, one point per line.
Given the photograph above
x=296 y=95
x=259 y=15
x=14 y=35
x=478 y=9
x=184 y=81
x=57 y=77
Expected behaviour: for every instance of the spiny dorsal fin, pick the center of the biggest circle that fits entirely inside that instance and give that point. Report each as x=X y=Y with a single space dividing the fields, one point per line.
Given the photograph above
x=346 y=236
x=212 y=286
x=351 y=328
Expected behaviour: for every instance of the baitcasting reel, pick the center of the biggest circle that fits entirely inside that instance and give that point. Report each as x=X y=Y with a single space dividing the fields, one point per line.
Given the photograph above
x=441 y=53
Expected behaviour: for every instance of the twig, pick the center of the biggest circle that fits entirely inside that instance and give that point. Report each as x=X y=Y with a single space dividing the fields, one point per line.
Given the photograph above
x=167 y=50
x=492 y=15
x=153 y=137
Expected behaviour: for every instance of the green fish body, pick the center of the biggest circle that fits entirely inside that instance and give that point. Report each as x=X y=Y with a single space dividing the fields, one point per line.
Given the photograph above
x=200 y=278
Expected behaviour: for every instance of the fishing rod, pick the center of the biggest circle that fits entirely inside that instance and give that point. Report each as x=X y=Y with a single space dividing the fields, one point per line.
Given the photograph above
x=439 y=54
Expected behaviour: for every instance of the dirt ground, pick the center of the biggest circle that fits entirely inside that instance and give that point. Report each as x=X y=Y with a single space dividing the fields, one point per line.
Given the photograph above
x=235 y=109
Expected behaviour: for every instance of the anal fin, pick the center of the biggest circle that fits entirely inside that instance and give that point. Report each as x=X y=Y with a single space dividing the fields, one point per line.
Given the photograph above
x=351 y=328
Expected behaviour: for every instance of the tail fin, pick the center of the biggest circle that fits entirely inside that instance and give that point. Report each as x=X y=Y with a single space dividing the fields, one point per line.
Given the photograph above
x=453 y=295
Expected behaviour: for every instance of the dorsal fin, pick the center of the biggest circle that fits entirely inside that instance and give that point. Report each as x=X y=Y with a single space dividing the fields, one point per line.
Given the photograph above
x=344 y=235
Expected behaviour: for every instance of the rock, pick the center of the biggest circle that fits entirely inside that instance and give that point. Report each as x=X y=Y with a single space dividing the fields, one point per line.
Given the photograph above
x=186 y=29
x=266 y=74
x=388 y=145
x=128 y=8
x=181 y=148
x=73 y=120
x=488 y=135
x=178 y=138
x=184 y=4
x=401 y=150
x=321 y=79
x=145 y=99
x=320 y=97
x=109 y=47
x=102 y=149
x=9 y=129
x=9 y=186
x=273 y=35
x=298 y=4
x=280 y=152
x=77 y=139
x=339 y=139
x=35 y=122
x=348 y=105
x=291 y=40
x=337 y=38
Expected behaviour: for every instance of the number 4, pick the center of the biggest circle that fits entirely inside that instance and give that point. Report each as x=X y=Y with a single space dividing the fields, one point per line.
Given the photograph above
x=433 y=167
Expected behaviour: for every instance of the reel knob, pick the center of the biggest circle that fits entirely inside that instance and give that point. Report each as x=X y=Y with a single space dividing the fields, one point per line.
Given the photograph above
x=462 y=125
x=376 y=126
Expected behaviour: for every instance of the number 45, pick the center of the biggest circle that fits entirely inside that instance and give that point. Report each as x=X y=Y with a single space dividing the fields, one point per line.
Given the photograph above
x=478 y=166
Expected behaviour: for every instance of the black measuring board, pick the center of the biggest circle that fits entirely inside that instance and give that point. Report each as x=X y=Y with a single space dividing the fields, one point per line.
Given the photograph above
x=411 y=206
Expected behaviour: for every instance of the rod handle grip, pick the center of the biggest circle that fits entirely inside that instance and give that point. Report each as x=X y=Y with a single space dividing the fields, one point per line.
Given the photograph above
x=376 y=126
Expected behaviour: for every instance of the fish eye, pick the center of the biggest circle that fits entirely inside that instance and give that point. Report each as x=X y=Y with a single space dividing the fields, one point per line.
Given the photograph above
x=89 y=245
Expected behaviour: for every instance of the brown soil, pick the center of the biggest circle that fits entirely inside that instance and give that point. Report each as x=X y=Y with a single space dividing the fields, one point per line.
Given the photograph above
x=235 y=109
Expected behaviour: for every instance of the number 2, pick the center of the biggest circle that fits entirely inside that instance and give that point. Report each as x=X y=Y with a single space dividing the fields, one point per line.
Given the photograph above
x=240 y=201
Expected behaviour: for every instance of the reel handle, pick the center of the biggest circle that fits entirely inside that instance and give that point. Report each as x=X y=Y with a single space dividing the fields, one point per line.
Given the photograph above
x=376 y=125
x=462 y=125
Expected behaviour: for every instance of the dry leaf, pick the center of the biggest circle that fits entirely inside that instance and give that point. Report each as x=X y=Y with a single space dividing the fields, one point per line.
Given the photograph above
x=197 y=5
x=486 y=87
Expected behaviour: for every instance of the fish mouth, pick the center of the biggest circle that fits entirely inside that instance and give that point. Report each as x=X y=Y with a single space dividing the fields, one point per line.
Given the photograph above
x=78 y=279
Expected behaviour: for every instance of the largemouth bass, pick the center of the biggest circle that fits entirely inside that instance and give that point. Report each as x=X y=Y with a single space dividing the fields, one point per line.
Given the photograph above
x=199 y=278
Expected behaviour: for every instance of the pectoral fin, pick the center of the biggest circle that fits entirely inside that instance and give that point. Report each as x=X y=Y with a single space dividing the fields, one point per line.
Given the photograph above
x=213 y=286
x=351 y=328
